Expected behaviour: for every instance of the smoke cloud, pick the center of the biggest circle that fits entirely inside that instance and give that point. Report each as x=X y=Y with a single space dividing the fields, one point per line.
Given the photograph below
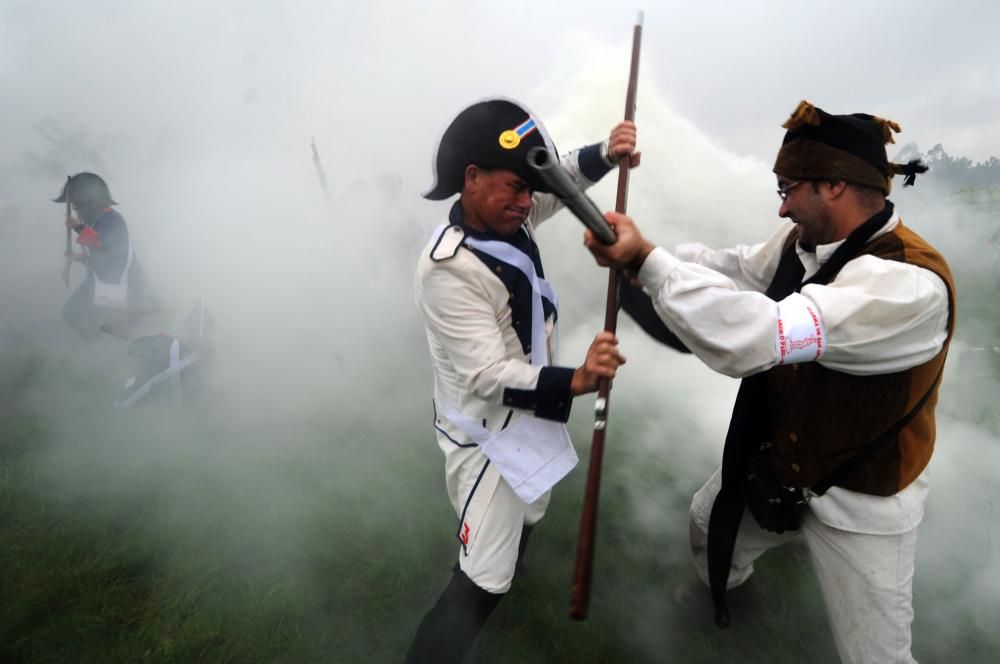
x=313 y=430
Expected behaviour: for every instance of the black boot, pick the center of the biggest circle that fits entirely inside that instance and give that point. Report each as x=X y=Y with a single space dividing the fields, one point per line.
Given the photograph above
x=520 y=567
x=448 y=630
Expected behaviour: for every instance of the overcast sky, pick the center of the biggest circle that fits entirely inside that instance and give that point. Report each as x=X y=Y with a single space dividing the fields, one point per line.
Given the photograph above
x=373 y=78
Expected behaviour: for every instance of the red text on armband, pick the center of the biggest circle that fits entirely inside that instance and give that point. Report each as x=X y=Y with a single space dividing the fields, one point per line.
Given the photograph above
x=781 y=340
x=819 y=332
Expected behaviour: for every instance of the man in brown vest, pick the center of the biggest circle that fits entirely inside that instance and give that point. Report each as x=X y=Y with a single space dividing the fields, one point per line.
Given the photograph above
x=839 y=325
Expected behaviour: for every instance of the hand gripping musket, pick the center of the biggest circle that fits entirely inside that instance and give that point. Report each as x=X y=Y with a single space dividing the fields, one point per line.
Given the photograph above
x=68 y=251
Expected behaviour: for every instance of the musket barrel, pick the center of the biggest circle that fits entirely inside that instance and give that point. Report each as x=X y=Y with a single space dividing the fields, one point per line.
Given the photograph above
x=563 y=186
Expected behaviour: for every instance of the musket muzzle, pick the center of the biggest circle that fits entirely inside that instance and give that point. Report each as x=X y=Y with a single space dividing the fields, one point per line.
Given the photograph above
x=562 y=185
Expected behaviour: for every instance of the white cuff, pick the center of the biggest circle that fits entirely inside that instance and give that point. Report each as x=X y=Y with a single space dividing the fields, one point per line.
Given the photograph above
x=605 y=147
x=656 y=268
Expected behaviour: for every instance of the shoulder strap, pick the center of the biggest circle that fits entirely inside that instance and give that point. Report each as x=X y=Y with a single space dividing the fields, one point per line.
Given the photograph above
x=449 y=239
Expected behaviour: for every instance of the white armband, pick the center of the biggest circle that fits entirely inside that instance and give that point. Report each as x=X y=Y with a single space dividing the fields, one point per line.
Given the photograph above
x=801 y=336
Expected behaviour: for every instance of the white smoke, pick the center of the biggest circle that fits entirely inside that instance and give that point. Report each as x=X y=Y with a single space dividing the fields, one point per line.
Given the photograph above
x=201 y=118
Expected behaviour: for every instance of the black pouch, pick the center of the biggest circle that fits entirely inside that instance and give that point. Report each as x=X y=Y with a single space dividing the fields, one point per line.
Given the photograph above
x=775 y=507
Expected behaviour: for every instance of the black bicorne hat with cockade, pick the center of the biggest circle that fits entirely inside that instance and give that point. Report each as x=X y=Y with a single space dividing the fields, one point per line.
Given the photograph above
x=821 y=146
x=494 y=133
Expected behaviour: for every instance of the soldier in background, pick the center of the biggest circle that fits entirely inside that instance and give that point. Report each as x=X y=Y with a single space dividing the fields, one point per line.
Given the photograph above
x=115 y=288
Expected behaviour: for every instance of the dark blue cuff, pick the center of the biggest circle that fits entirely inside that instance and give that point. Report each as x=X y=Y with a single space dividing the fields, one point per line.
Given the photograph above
x=551 y=398
x=592 y=163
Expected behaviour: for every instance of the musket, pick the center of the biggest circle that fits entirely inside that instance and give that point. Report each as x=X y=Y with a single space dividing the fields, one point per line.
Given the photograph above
x=580 y=594
x=68 y=251
x=561 y=183
x=583 y=208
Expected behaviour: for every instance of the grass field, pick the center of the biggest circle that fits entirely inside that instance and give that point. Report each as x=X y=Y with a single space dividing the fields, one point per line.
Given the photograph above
x=324 y=536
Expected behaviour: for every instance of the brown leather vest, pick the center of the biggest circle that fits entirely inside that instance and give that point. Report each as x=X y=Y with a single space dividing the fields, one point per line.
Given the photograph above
x=819 y=418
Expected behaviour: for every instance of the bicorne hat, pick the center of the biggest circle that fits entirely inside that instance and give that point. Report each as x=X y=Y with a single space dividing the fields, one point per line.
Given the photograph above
x=494 y=133
x=86 y=189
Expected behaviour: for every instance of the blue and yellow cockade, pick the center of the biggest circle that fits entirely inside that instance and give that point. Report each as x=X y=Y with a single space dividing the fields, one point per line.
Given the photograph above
x=511 y=138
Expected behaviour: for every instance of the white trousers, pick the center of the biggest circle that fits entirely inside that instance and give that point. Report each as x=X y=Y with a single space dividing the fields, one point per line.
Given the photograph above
x=867 y=580
x=488 y=554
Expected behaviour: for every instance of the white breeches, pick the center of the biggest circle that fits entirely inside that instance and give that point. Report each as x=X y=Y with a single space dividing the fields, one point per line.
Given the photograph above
x=490 y=517
x=867 y=580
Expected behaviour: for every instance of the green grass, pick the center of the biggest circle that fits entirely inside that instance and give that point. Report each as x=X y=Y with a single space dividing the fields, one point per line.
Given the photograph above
x=323 y=535
x=125 y=542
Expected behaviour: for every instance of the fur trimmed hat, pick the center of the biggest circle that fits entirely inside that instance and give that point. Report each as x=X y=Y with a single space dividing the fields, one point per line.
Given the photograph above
x=86 y=189
x=491 y=133
x=821 y=146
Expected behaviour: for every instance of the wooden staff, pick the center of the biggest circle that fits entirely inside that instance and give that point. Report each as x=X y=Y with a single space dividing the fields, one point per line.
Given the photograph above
x=68 y=251
x=583 y=569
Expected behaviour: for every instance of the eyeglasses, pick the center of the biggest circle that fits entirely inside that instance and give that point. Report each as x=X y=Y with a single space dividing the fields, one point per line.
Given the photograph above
x=785 y=188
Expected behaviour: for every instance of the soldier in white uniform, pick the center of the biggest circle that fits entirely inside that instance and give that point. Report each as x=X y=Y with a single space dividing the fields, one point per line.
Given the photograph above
x=839 y=325
x=500 y=400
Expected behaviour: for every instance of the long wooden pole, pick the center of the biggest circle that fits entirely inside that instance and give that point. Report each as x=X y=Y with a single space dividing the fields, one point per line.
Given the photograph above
x=583 y=569
x=68 y=250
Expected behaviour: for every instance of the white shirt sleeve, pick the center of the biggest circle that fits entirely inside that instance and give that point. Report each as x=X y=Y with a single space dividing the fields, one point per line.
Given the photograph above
x=732 y=331
x=877 y=316
x=881 y=316
x=750 y=267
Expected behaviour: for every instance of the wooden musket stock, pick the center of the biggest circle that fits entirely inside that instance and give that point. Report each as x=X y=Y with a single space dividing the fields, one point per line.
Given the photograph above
x=583 y=568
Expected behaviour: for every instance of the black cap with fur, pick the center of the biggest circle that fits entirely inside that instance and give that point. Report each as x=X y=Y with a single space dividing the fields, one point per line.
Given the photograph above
x=821 y=146
x=494 y=133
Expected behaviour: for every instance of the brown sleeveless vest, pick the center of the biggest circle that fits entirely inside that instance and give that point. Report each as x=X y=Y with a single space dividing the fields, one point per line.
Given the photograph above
x=818 y=418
